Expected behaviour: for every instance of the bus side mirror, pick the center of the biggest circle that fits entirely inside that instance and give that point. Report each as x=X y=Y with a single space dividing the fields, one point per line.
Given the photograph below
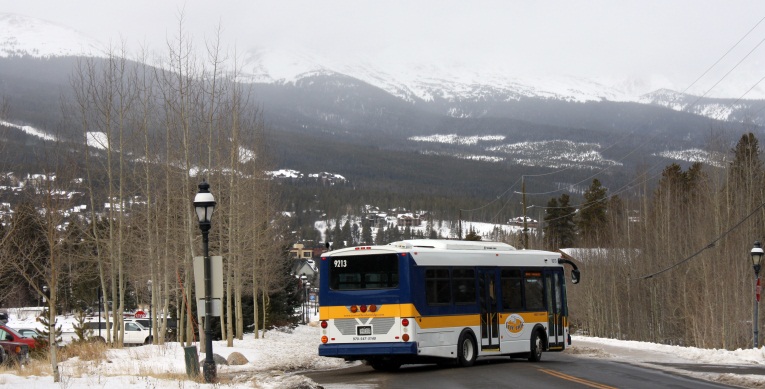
x=575 y=276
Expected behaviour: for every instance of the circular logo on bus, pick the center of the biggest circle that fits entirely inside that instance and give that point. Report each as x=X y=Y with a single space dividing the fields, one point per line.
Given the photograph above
x=514 y=324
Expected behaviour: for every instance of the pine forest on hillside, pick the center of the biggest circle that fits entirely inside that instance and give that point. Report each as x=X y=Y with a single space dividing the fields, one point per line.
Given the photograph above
x=665 y=263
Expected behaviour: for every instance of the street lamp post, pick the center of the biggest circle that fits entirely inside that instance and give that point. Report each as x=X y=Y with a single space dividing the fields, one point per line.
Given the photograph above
x=151 y=315
x=303 y=279
x=757 y=254
x=306 y=302
x=204 y=204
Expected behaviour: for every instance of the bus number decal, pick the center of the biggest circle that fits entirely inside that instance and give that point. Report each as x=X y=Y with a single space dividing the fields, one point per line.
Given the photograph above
x=341 y=263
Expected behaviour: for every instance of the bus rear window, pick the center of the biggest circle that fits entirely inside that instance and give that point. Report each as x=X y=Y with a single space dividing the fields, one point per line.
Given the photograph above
x=378 y=271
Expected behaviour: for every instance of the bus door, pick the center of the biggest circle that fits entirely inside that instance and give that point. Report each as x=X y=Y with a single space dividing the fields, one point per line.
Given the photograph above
x=555 y=309
x=487 y=298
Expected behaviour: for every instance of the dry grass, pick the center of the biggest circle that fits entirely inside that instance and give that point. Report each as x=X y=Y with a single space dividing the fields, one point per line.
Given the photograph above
x=86 y=351
x=35 y=367
x=91 y=354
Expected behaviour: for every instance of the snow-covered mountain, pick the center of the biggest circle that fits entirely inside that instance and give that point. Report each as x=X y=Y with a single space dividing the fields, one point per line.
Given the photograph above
x=429 y=82
x=446 y=86
x=22 y=35
x=452 y=86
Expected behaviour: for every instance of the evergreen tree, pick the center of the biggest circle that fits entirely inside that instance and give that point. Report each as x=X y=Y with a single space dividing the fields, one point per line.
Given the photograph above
x=395 y=234
x=356 y=234
x=80 y=331
x=560 y=229
x=592 y=215
x=337 y=236
x=746 y=164
x=472 y=235
x=44 y=332
x=346 y=234
x=328 y=235
x=746 y=176
x=366 y=232
x=380 y=238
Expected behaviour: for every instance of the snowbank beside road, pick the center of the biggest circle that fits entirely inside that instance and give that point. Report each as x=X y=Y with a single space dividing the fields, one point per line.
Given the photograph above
x=272 y=360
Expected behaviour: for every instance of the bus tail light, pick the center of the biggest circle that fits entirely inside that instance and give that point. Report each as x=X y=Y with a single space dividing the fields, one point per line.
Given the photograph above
x=405 y=337
x=323 y=324
x=363 y=308
x=354 y=309
x=324 y=339
x=373 y=308
x=405 y=322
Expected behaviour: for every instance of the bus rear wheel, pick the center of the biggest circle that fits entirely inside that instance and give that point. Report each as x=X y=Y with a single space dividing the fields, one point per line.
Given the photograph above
x=466 y=349
x=535 y=354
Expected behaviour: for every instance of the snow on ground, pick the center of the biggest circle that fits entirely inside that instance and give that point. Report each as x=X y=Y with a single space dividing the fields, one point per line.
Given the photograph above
x=29 y=130
x=273 y=362
x=661 y=356
x=276 y=360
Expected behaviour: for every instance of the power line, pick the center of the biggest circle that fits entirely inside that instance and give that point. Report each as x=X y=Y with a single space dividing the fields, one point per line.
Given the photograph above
x=656 y=134
x=709 y=246
x=723 y=56
x=726 y=74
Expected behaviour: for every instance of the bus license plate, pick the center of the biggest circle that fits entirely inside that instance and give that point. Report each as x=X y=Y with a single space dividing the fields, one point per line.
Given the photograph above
x=364 y=330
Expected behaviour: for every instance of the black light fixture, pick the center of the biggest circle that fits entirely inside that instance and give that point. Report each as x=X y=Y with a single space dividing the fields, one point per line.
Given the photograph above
x=756 y=254
x=151 y=316
x=204 y=205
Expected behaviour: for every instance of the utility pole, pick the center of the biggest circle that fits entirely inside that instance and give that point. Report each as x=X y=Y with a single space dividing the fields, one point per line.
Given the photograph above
x=525 y=221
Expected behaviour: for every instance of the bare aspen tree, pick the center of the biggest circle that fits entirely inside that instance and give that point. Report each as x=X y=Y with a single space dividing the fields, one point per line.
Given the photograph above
x=179 y=95
x=37 y=242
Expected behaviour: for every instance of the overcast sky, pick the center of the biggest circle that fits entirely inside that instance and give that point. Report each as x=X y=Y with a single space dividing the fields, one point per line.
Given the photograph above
x=608 y=40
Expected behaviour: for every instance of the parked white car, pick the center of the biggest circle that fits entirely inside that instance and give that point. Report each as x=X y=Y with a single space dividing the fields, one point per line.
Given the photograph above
x=135 y=333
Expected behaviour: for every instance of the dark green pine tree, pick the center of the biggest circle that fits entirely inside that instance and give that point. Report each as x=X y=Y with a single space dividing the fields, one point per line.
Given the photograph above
x=745 y=183
x=380 y=238
x=592 y=216
x=355 y=234
x=394 y=234
x=366 y=232
x=560 y=229
x=328 y=235
x=41 y=342
x=346 y=234
x=746 y=164
x=472 y=235
x=337 y=236
x=80 y=330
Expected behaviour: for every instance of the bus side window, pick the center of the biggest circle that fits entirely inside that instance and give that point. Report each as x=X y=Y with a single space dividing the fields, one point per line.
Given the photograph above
x=512 y=298
x=464 y=286
x=535 y=291
x=437 y=288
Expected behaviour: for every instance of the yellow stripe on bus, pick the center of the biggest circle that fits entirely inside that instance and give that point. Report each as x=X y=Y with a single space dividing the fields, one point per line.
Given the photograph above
x=386 y=310
x=434 y=321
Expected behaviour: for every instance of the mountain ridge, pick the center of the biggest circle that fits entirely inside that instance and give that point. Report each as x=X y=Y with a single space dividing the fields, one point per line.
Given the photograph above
x=449 y=89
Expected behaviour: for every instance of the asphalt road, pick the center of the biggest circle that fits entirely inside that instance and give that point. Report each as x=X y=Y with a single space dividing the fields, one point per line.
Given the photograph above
x=556 y=370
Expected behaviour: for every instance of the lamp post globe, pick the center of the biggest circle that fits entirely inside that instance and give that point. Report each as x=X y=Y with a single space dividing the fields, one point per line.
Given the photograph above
x=204 y=205
x=756 y=254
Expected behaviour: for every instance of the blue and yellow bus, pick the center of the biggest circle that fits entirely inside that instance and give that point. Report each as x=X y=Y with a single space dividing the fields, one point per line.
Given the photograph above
x=441 y=301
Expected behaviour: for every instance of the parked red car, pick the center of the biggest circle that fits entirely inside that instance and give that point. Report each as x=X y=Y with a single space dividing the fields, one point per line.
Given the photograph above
x=10 y=334
x=14 y=352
